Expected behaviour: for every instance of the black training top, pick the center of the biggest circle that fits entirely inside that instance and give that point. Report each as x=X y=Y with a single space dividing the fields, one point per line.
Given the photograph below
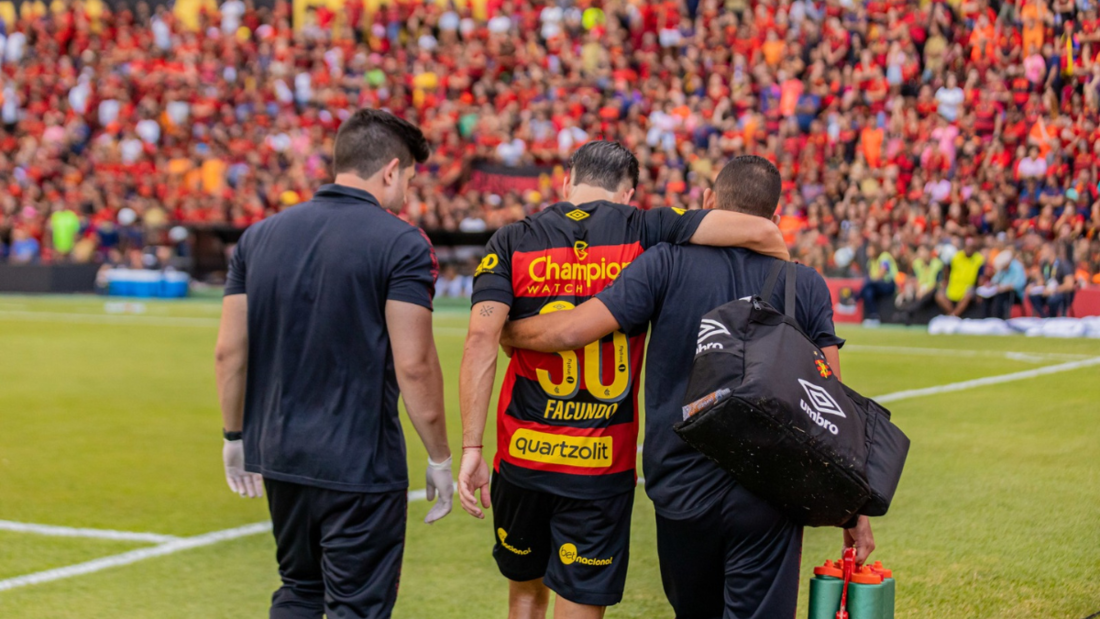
x=321 y=400
x=567 y=422
x=673 y=287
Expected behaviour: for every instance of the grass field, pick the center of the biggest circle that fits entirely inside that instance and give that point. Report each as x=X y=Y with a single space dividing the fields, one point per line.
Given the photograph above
x=109 y=421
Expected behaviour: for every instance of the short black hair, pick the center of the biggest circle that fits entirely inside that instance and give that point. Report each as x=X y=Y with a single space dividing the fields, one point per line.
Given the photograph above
x=604 y=164
x=370 y=139
x=749 y=184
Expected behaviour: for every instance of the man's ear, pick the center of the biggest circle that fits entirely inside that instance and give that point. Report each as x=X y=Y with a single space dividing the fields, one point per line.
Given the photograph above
x=710 y=201
x=626 y=195
x=391 y=173
x=566 y=187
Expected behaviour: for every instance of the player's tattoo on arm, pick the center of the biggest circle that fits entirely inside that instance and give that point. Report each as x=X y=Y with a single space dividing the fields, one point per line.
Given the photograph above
x=487 y=311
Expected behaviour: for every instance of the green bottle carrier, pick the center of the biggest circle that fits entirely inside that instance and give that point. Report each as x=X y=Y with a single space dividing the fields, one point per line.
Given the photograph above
x=841 y=591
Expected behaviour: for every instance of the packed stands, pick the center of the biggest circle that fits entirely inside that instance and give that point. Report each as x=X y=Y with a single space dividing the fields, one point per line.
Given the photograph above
x=896 y=124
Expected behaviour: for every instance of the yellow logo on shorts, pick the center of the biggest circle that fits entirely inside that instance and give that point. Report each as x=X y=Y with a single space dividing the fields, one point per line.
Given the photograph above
x=503 y=535
x=568 y=555
x=584 y=451
x=576 y=215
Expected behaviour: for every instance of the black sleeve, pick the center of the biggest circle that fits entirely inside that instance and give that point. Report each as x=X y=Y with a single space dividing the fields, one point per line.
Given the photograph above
x=413 y=270
x=634 y=296
x=669 y=225
x=493 y=278
x=235 y=278
x=814 y=309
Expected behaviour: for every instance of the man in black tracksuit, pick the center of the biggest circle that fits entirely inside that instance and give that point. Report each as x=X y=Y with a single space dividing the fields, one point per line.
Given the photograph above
x=723 y=551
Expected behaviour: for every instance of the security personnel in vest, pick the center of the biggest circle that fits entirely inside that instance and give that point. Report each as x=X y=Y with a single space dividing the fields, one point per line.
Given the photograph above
x=327 y=315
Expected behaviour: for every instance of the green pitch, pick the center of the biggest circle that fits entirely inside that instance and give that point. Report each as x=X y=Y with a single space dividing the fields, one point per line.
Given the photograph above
x=108 y=420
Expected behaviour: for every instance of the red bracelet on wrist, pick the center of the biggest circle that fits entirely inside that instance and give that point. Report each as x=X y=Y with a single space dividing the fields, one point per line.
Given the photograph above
x=465 y=447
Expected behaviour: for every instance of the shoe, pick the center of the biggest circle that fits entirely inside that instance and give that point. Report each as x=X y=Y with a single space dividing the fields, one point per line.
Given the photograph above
x=871 y=322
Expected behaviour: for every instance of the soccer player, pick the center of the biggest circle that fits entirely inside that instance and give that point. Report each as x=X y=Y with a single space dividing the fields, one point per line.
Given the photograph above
x=327 y=313
x=723 y=551
x=567 y=424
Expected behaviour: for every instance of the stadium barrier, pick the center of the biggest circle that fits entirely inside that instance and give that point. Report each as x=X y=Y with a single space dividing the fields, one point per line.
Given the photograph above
x=48 y=278
x=848 y=308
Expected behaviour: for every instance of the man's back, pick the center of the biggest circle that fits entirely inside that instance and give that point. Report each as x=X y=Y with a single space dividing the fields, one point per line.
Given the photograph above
x=321 y=371
x=672 y=287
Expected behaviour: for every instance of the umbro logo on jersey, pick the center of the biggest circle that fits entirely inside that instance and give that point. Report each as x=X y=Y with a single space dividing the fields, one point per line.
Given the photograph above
x=577 y=215
x=710 y=328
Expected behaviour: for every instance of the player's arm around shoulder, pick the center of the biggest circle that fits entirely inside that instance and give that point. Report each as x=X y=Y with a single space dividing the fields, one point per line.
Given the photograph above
x=720 y=228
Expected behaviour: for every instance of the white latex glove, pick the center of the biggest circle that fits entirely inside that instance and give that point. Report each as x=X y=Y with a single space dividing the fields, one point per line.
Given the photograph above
x=439 y=481
x=240 y=481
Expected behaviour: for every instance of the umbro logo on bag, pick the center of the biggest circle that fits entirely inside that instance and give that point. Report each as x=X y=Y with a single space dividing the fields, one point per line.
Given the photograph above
x=821 y=403
x=708 y=329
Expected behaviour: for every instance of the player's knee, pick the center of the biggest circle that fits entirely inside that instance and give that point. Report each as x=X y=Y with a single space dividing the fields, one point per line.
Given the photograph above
x=527 y=595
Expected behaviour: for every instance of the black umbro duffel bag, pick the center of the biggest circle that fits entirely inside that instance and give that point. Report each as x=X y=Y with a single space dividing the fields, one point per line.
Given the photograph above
x=764 y=405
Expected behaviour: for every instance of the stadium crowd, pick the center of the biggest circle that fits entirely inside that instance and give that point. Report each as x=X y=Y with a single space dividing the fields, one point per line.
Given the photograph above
x=900 y=127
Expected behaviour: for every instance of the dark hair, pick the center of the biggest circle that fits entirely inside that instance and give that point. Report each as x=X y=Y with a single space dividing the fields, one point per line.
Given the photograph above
x=370 y=139
x=749 y=184
x=604 y=164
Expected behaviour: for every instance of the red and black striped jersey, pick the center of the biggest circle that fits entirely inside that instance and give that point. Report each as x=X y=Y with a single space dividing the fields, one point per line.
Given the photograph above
x=567 y=423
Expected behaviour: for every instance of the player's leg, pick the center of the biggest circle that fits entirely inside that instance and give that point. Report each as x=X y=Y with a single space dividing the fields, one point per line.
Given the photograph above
x=363 y=542
x=564 y=609
x=693 y=560
x=521 y=528
x=298 y=551
x=590 y=540
x=763 y=552
x=529 y=599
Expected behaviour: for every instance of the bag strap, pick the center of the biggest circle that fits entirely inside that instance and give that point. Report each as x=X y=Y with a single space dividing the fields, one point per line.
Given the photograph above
x=790 y=294
x=770 y=281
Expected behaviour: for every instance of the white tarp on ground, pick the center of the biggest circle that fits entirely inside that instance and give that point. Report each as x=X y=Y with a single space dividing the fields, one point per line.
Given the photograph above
x=1032 y=327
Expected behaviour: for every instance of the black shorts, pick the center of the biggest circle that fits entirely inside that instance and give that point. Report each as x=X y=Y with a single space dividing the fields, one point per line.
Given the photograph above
x=738 y=559
x=579 y=547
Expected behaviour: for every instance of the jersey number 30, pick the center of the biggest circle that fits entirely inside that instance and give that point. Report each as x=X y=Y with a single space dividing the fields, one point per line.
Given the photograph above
x=593 y=367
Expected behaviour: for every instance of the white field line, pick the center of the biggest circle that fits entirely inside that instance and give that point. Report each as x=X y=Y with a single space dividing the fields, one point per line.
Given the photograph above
x=951 y=352
x=989 y=380
x=126 y=558
x=167 y=544
x=121 y=536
